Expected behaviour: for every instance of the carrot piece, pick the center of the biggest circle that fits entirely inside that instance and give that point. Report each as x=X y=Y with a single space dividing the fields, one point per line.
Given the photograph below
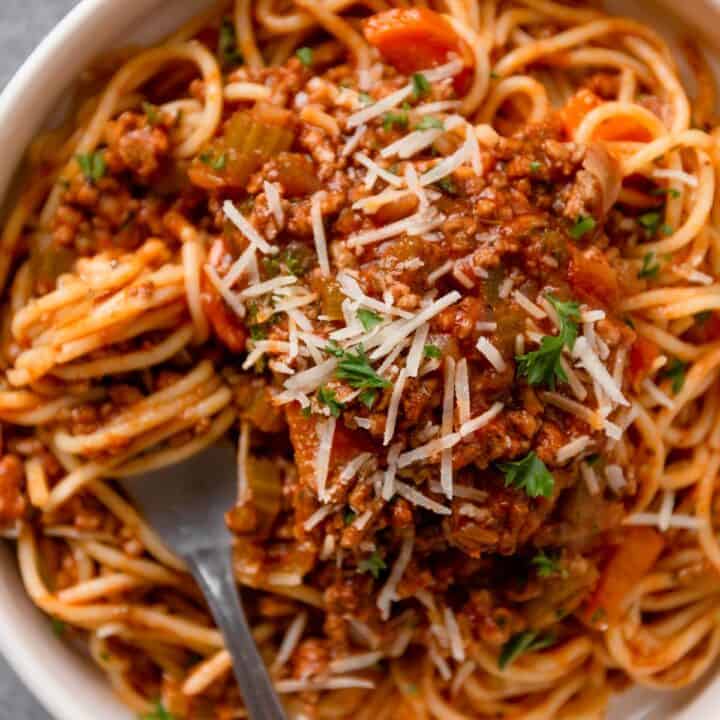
x=643 y=354
x=628 y=564
x=411 y=39
x=620 y=128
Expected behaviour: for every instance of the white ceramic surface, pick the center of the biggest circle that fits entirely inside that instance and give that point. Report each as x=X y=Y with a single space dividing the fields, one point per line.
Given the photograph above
x=69 y=686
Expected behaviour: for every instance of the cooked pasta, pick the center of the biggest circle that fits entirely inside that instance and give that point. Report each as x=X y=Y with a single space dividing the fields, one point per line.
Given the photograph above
x=449 y=275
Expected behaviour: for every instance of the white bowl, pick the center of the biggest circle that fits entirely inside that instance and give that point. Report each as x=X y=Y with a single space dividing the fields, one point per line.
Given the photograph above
x=69 y=686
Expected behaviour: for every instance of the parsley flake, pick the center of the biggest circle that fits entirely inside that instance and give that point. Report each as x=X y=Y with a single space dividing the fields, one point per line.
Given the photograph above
x=216 y=162
x=327 y=396
x=365 y=99
x=543 y=367
x=521 y=643
x=397 y=120
x=421 y=85
x=305 y=55
x=92 y=166
x=151 y=113
x=227 y=45
x=430 y=123
x=548 y=565
x=529 y=474
x=676 y=371
x=702 y=317
x=447 y=185
x=332 y=348
x=368 y=319
x=582 y=226
x=368 y=398
x=373 y=564
x=535 y=166
x=356 y=369
x=650 y=267
x=159 y=713
x=672 y=192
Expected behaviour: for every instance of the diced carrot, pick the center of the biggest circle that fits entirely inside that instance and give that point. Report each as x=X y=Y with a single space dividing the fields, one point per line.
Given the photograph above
x=411 y=39
x=620 y=128
x=591 y=275
x=631 y=560
x=643 y=354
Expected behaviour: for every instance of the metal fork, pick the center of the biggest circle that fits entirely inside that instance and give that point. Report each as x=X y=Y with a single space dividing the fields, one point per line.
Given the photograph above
x=186 y=504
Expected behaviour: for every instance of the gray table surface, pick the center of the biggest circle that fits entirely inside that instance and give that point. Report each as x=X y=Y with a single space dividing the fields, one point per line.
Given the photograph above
x=23 y=23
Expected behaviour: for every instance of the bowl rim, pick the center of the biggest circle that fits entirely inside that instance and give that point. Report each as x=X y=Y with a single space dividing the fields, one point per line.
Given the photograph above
x=25 y=89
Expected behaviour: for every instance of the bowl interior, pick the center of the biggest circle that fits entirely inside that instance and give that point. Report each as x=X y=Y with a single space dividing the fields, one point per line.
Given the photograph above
x=63 y=679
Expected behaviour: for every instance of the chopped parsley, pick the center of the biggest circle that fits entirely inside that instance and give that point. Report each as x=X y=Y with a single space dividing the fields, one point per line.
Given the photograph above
x=428 y=122
x=227 y=45
x=373 y=564
x=447 y=185
x=305 y=55
x=349 y=517
x=702 y=317
x=92 y=166
x=548 y=565
x=365 y=99
x=650 y=221
x=672 y=192
x=542 y=367
x=650 y=267
x=397 y=120
x=332 y=348
x=529 y=474
x=58 y=626
x=676 y=371
x=521 y=643
x=420 y=85
x=356 y=369
x=598 y=616
x=368 y=319
x=216 y=162
x=368 y=398
x=432 y=351
x=582 y=226
x=327 y=396
x=535 y=166
x=159 y=713
x=151 y=113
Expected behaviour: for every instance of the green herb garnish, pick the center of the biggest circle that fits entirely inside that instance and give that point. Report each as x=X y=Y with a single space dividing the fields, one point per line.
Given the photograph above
x=327 y=396
x=397 y=120
x=432 y=351
x=543 y=366
x=151 y=113
x=672 y=192
x=365 y=99
x=521 y=643
x=702 y=317
x=650 y=267
x=420 y=85
x=548 y=565
x=227 y=45
x=368 y=398
x=373 y=564
x=216 y=162
x=368 y=319
x=447 y=185
x=529 y=474
x=92 y=166
x=582 y=226
x=430 y=123
x=349 y=517
x=536 y=166
x=159 y=713
x=676 y=371
x=305 y=55
x=356 y=369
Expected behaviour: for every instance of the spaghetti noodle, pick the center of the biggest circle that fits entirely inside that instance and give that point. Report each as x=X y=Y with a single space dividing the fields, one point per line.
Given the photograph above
x=449 y=274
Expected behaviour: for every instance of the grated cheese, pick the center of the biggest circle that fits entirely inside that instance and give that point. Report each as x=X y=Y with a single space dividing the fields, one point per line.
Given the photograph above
x=491 y=353
x=574 y=408
x=446 y=478
x=389 y=483
x=353 y=663
x=274 y=202
x=483 y=326
x=290 y=640
x=319 y=232
x=415 y=224
x=319 y=515
x=462 y=391
x=446 y=166
x=387 y=594
x=457 y=647
x=438 y=272
x=333 y=683
x=268 y=286
x=590 y=478
x=265 y=346
x=353 y=141
x=573 y=448
x=417 y=498
x=462 y=491
x=685 y=522
x=594 y=367
x=394 y=406
x=326 y=432
x=480 y=421
x=375 y=169
x=417 y=349
x=353 y=467
x=350 y=288
x=227 y=295
x=248 y=231
x=576 y=386
x=666 y=510
x=425 y=452
x=242 y=462
x=310 y=380
x=681 y=177
x=528 y=306
x=616 y=478
x=656 y=394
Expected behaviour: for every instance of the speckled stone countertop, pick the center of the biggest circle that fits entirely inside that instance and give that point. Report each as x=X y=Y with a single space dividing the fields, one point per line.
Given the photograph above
x=23 y=23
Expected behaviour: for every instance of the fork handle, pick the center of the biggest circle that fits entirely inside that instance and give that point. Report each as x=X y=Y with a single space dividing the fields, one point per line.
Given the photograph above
x=212 y=568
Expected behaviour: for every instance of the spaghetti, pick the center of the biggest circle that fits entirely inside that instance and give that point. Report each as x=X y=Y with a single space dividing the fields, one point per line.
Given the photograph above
x=448 y=273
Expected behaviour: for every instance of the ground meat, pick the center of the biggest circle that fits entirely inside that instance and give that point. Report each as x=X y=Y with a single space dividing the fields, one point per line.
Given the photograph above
x=12 y=501
x=135 y=145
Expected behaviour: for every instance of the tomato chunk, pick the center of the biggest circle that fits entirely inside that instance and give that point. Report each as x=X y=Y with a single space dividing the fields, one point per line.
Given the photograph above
x=591 y=275
x=411 y=39
x=619 y=128
x=629 y=563
x=643 y=354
